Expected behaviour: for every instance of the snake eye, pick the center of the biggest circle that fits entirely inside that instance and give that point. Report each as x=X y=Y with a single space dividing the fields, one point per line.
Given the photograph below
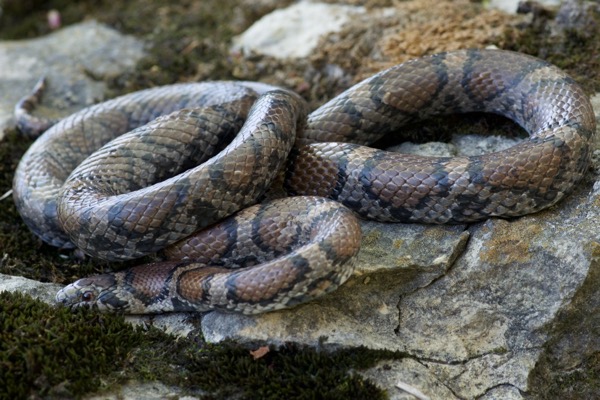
x=87 y=296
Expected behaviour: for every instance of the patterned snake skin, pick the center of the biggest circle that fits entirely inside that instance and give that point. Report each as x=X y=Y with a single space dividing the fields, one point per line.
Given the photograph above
x=167 y=179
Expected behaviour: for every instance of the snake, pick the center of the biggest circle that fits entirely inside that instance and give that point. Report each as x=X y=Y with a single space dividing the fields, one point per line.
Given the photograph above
x=183 y=169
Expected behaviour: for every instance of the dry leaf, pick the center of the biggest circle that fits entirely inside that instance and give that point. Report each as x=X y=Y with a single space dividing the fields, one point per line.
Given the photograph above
x=260 y=352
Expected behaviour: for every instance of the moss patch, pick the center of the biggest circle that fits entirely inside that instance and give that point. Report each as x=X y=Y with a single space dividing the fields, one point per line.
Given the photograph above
x=56 y=353
x=46 y=352
x=288 y=372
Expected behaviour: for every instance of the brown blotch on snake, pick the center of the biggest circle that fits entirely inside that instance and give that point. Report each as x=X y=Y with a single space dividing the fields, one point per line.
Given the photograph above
x=533 y=175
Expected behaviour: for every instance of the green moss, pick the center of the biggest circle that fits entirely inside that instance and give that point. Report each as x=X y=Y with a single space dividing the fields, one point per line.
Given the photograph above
x=289 y=372
x=55 y=352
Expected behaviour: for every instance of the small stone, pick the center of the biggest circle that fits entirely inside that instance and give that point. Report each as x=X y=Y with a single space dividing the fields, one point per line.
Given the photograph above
x=68 y=58
x=510 y=6
x=294 y=32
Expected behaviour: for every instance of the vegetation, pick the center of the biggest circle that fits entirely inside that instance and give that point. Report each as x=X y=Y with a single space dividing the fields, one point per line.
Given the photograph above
x=48 y=352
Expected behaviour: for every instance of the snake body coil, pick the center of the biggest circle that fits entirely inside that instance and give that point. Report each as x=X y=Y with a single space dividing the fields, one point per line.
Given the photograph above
x=122 y=203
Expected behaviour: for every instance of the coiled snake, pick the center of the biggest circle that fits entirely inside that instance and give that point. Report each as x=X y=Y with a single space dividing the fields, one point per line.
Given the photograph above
x=172 y=176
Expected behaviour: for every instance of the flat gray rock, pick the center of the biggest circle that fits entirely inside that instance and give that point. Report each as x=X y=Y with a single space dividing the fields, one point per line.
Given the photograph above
x=38 y=290
x=74 y=60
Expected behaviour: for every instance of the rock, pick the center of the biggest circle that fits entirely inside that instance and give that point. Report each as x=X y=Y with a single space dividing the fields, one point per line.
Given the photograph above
x=294 y=32
x=364 y=310
x=511 y=6
x=176 y=324
x=74 y=60
x=576 y=16
x=38 y=290
x=146 y=390
x=416 y=378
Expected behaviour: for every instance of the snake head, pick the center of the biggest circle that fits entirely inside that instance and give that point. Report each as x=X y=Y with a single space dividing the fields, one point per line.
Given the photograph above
x=94 y=292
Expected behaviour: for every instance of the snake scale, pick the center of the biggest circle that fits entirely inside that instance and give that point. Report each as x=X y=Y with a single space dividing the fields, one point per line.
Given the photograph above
x=200 y=152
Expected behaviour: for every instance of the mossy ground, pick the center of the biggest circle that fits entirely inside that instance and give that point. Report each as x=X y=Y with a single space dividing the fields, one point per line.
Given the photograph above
x=59 y=354
x=48 y=352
